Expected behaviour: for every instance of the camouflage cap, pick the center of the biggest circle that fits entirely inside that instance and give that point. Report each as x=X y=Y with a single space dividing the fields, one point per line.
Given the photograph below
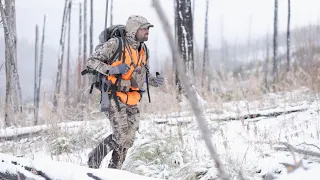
x=135 y=22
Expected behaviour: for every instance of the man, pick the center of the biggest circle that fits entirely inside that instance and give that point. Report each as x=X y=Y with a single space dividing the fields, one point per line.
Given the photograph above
x=133 y=66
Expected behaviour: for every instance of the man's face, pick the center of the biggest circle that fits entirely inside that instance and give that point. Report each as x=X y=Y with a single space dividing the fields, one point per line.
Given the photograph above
x=142 y=34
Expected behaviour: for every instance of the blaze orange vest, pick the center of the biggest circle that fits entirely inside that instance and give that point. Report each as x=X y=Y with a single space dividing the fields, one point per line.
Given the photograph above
x=133 y=60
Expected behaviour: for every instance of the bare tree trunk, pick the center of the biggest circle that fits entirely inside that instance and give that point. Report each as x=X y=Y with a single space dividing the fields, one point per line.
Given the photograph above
x=13 y=88
x=35 y=74
x=8 y=68
x=185 y=35
x=40 y=69
x=106 y=16
x=266 y=64
x=288 y=36
x=68 y=54
x=275 y=42
x=11 y=24
x=61 y=54
x=91 y=26
x=84 y=41
x=79 y=50
x=177 y=81
x=206 y=49
x=111 y=13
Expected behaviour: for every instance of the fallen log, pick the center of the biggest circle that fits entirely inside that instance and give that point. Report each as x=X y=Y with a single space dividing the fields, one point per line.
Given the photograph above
x=12 y=167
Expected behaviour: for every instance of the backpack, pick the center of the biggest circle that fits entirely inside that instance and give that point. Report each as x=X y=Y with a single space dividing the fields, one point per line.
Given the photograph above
x=114 y=31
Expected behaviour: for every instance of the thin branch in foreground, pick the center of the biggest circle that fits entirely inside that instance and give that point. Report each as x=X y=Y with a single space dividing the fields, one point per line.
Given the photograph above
x=190 y=91
x=2 y=65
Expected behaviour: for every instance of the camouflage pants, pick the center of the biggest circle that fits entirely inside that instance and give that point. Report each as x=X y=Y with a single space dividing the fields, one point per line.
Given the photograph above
x=124 y=125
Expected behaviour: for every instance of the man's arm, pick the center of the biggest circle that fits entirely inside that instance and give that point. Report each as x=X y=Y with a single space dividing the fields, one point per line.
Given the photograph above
x=153 y=80
x=100 y=59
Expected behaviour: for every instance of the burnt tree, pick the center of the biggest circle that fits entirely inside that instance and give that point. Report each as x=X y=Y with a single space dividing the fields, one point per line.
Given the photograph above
x=61 y=54
x=275 y=42
x=184 y=35
x=68 y=53
x=36 y=49
x=40 y=71
x=13 y=100
x=205 y=49
x=288 y=35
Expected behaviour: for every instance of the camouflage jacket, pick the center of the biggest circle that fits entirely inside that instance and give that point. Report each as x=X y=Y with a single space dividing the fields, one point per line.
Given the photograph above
x=105 y=51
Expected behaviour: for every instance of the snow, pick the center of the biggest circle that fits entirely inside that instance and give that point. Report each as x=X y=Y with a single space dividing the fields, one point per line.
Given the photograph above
x=171 y=146
x=62 y=170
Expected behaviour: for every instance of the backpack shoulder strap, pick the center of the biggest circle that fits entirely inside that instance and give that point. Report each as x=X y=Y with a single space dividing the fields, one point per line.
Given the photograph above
x=146 y=50
x=119 y=49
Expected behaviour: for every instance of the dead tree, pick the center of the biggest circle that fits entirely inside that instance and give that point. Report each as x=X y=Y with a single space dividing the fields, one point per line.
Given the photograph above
x=91 y=26
x=185 y=33
x=13 y=100
x=68 y=52
x=275 y=42
x=79 y=49
x=40 y=70
x=177 y=81
x=184 y=28
x=206 y=48
x=265 y=67
x=61 y=54
x=84 y=41
x=106 y=16
x=288 y=35
x=111 y=13
x=35 y=74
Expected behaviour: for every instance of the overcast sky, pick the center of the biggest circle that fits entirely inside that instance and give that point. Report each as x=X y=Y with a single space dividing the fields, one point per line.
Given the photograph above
x=237 y=19
x=233 y=15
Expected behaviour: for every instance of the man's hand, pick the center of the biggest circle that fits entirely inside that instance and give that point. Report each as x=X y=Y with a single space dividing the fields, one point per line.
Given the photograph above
x=120 y=69
x=156 y=81
x=159 y=80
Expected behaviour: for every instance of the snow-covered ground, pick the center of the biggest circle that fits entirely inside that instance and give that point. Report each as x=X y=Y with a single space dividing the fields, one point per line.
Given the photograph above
x=170 y=146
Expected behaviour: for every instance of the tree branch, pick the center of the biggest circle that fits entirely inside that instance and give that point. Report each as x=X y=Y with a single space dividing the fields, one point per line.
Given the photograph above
x=309 y=145
x=301 y=151
x=190 y=91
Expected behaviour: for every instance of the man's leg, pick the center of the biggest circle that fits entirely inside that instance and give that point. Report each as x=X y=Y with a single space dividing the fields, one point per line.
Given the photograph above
x=127 y=137
x=119 y=123
x=97 y=154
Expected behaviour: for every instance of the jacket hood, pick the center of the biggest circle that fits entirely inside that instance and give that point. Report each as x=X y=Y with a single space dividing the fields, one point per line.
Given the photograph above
x=135 y=22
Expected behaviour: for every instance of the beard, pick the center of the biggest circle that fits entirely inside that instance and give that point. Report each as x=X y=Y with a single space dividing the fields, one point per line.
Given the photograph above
x=142 y=38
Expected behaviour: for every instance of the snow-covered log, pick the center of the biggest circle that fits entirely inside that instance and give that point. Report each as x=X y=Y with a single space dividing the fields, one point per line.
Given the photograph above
x=12 y=167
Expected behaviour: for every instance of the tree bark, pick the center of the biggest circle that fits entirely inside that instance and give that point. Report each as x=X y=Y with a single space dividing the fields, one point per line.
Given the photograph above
x=177 y=81
x=35 y=74
x=265 y=67
x=206 y=49
x=185 y=35
x=106 y=16
x=91 y=26
x=40 y=69
x=79 y=50
x=13 y=89
x=288 y=36
x=275 y=42
x=111 y=12
x=84 y=41
x=68 y=53
x=61 y=55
